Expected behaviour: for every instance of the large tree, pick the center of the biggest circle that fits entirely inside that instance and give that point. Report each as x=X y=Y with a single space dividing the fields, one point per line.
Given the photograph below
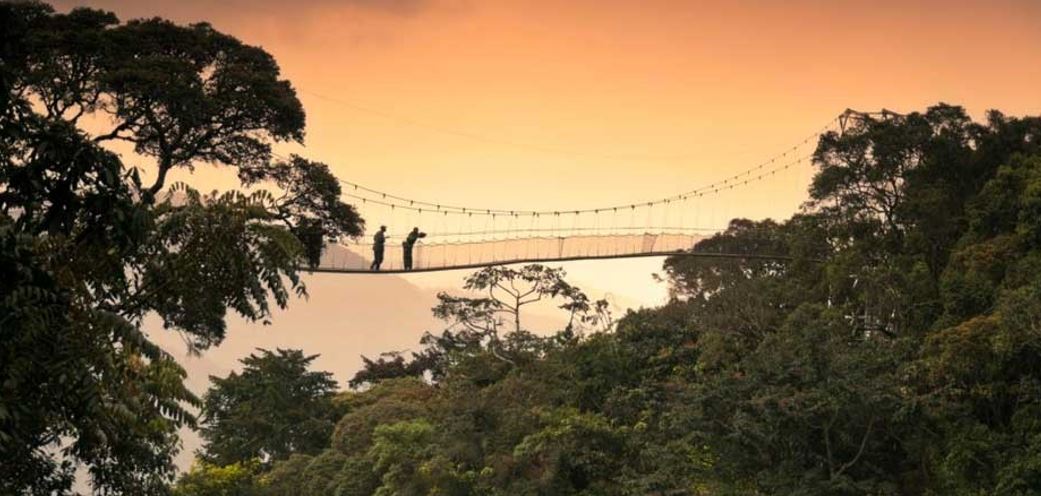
x=90 y=246
x=489 y=318
x=274 y=408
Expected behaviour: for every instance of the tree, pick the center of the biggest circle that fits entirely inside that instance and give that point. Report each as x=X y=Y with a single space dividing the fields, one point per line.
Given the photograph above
x=274 y=408
x=693 y=277
x=980 y=381
x=812 y=408
x=346 y=467
x=498 y=298
x=900 y=184
x=236 y=479
x=482 y=426
x=508 y=291
x=573 y=453
x=404 y=454
x=89 y=246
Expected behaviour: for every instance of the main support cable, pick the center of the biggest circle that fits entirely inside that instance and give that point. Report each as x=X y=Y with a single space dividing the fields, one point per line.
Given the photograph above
x=370 y=195
x=367 y=194
x=388 y=200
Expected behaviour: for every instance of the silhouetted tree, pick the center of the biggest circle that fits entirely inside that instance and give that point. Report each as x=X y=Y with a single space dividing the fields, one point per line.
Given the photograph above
x=489 y=319
x=89 y=246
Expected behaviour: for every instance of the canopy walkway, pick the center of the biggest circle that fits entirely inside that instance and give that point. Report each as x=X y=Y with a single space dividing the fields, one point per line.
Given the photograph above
x=356 y=258
x=462 y=237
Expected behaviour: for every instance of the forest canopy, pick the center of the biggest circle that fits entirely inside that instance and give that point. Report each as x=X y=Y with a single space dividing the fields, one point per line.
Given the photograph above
x=895 y=350
x=892 y=348
x=90 y=245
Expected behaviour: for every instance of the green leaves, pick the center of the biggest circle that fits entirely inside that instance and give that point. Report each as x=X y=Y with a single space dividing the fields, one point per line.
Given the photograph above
x=213 y=253
x=88 y=251
x=310 y=204
x=892 y=356
x=274 y=408
x=572 y=452
x=204 y=479
x=981 y=362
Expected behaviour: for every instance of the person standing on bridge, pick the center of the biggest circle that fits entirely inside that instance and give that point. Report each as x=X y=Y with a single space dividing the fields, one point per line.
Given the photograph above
x=378 y=242
x=406 y=246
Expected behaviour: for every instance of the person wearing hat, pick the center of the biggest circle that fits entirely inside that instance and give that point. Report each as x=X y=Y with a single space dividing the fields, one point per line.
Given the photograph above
x=378 y=242
x=406 y=246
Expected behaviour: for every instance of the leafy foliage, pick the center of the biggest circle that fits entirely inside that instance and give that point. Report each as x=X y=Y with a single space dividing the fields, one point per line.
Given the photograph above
x=89 y=247
x=496 y=299
x=274 y=408
x=236 y=479
x=894 y=351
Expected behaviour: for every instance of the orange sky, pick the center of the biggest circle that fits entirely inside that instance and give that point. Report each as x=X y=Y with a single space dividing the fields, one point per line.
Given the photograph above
x=622 y=100
x=537 y=104
x=578 y=104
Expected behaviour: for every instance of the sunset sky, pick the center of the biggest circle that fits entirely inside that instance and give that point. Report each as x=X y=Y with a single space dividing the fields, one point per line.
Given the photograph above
x=592 y=102
x=572 y=104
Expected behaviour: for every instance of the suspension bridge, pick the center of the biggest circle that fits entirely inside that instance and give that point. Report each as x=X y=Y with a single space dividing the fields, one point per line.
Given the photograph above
x=462 y=237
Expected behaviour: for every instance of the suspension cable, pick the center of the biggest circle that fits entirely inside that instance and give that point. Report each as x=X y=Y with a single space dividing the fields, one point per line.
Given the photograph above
x=367 y=194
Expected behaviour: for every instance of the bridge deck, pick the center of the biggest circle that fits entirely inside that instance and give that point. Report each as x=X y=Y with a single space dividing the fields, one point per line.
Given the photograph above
x=738 y=256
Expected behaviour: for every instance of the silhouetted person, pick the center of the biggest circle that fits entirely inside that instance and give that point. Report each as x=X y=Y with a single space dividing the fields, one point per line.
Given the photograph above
x=406 y=246
x=378 y=242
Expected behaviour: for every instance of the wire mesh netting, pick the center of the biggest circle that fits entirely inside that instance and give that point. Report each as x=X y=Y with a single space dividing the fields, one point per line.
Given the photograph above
x=427 y=256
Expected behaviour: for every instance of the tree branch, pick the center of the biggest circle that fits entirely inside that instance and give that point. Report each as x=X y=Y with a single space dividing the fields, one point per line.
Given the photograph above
x=114 y=134
x=863 y=443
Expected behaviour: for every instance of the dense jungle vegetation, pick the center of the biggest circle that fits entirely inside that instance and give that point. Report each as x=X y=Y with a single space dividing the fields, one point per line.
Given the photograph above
x=898 y=351
x=892 y=348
